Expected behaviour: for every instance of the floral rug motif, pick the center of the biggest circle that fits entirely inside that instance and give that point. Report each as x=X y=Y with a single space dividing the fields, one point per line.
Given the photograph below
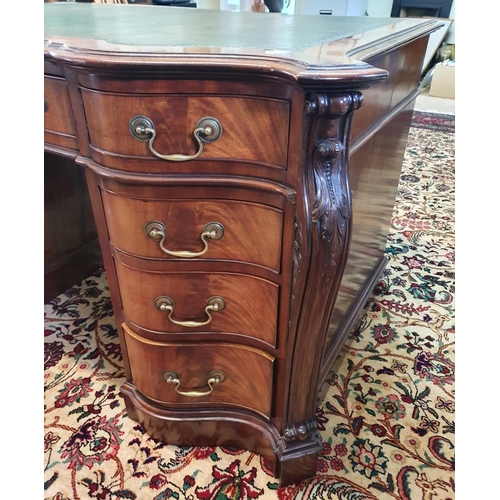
x=387 y=420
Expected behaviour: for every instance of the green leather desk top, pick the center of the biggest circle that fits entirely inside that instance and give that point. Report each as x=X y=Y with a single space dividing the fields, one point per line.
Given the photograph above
x=158 y=26
x=311 y=47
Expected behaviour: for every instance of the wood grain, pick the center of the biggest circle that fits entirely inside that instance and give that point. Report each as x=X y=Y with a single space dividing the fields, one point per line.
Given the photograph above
x=248 y=228
x=251 y=303
x=254 y=129
x=249 y=373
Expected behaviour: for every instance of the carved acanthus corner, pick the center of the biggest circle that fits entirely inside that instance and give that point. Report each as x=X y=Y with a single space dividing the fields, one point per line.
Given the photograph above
x=331 y=202
x=331 y=208
x=298 y=242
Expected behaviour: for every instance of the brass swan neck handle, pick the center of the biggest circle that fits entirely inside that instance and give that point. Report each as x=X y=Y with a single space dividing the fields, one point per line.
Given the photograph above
x=214 y=377
x=208 y=129
x=213 y=231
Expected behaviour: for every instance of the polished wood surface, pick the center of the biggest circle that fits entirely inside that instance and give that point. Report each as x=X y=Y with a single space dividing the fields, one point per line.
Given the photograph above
x=248 y=383
x=303 y=180
x=375 y=172
x=175 y=119
x=243 y=314
x=246 y=226
x=404 y=67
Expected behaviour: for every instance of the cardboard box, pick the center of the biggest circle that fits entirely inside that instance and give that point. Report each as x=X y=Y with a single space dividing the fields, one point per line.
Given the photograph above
x=443 y=81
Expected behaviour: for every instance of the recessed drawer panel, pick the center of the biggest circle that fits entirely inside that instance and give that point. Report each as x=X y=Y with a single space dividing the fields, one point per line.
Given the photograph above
x=59 y=125
x=249 y=305
x=253 y=129
x=181 y=229
x=201 y=374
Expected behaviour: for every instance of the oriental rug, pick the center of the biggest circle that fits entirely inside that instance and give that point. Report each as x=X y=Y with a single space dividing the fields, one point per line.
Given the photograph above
x=387 y=420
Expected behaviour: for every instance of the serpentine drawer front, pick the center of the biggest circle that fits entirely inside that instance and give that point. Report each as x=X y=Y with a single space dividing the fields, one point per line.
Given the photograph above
x=249 y=307
x=175 y=119
x=163 y=229
x=184 y=374
x=59 y=123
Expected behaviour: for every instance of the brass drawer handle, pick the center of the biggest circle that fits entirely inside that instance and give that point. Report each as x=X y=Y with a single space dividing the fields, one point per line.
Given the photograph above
x=207 y=129
x=214 y=377
x=157 y=231
x=166 y=304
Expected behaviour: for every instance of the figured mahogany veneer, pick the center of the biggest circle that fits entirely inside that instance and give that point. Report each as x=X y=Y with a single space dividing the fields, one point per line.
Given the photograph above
x=246 y=227
x=249 y=373
x=175 y=118
x=251 y=303
x=228 y=340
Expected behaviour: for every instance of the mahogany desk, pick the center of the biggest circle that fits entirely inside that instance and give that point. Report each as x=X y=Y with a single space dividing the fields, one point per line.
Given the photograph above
x=242 y=171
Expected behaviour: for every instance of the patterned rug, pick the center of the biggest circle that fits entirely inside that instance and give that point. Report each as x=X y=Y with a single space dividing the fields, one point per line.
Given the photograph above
x=387 y=421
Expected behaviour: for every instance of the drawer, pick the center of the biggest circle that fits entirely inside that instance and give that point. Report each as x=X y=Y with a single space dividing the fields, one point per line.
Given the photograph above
x=250 y=304
x=253 y=129
x=180 y=374
x=244 y=230
x=59 y=125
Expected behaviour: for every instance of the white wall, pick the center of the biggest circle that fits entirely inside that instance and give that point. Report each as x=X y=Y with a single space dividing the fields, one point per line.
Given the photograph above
x=208 y=4
x=239 y=5
x=450 y=37
x=379 y=8
x=374 y=8
x=337 y=7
